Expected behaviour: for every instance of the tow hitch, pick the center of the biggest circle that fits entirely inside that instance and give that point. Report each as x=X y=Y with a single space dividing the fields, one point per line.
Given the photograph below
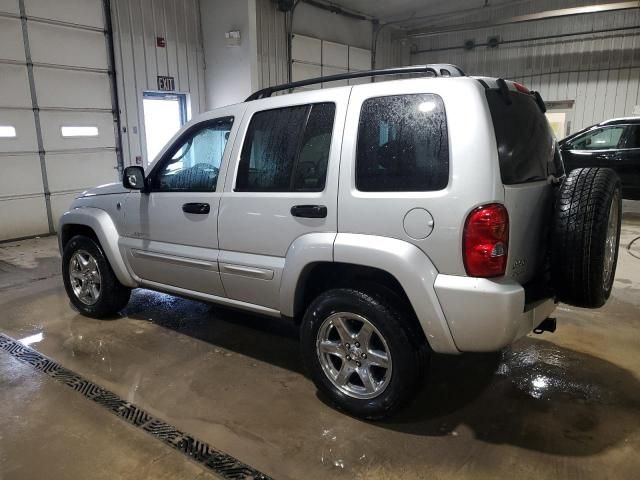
x=547 y=325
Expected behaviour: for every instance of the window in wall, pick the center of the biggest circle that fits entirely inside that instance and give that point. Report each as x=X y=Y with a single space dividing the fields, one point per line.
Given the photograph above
x=402 y=144
x=633 y=137
x=7 y=131
x=194 y=165
x=164 y=114
x=600 y=139
x=77 y=131
x=287 y=149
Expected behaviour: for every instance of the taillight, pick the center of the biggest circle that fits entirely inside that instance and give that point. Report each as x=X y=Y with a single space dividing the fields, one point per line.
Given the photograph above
x=485 y=241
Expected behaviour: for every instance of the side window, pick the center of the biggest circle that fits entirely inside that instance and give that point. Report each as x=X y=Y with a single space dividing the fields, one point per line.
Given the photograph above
x=402 y=144
x=287 y=149
x=599 y=139
x=194 y=162
x=633 y=137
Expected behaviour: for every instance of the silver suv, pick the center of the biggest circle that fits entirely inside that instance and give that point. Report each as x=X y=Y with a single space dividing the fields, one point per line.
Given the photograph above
x=389 y=219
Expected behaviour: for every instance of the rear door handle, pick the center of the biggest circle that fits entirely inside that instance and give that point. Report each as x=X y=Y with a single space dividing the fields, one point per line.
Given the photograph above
x=309 y=211
x=197 y=208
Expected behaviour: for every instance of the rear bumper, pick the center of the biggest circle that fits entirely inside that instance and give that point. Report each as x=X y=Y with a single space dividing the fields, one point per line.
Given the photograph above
x=485 y=315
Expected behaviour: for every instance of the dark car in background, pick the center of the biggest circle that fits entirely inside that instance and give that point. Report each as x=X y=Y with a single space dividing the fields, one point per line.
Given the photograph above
x=613 y=144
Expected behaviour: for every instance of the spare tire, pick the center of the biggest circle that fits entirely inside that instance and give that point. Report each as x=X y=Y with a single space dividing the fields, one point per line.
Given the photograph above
x=585 y=235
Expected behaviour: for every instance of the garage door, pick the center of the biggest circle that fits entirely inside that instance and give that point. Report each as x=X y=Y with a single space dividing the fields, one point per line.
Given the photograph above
x=312 y=57
x=57 y=134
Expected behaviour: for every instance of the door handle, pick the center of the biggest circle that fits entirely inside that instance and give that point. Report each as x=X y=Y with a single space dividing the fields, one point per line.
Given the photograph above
x=309 y=211
x=197 y=208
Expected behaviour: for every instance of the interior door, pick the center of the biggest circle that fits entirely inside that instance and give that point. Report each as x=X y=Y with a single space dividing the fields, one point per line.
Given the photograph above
x=282 y=184
x=171 y=234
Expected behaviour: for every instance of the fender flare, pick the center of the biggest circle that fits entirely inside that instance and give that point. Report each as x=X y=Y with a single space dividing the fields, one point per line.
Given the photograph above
x=303 y=253
x=412 y=269
x=405 y=262
x=102 y=224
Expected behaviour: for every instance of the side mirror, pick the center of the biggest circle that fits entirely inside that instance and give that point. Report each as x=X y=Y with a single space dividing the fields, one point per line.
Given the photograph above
x=133 y=178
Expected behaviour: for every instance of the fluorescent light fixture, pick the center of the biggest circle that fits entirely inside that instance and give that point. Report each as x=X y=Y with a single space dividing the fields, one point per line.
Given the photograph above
x=70 y=131
x=7 y=131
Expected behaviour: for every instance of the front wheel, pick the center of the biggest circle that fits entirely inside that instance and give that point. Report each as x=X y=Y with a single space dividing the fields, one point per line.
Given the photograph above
x=89 y=280
x=360 y=354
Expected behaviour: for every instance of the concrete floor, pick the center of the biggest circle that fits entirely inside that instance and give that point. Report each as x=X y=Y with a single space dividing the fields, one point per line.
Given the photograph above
x=565 y=405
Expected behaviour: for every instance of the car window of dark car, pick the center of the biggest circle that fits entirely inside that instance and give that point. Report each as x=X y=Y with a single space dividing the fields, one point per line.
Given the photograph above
x=633 y=137
x=599 y=139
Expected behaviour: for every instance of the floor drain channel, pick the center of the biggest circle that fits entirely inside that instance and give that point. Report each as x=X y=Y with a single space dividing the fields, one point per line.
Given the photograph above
x=214 y=460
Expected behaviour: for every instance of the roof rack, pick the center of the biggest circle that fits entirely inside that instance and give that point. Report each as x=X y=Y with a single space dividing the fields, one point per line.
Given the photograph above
x=434 y=69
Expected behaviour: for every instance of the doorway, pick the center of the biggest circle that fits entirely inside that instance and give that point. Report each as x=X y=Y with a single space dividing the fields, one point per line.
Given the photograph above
x=558 y=122
x=164 y=114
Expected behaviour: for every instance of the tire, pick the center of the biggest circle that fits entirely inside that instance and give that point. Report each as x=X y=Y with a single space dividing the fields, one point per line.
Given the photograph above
x=111 y=296
x=394 y=385
x=585 y=237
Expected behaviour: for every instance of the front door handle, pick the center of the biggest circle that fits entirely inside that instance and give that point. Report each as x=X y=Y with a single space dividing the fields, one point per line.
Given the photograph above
x=197 y=208
x=309 y=211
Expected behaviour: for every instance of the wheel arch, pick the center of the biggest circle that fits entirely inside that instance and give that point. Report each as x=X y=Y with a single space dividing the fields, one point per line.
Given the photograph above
x=368 y=261
x=98 y=225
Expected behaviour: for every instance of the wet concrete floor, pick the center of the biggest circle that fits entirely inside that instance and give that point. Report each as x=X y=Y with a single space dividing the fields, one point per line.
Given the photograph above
x=563 y=405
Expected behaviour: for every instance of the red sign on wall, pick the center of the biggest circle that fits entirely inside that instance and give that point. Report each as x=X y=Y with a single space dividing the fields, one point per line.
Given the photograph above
x=161 y=42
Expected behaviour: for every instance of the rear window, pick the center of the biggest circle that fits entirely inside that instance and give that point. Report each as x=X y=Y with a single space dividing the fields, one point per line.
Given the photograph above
x=526 y=147
x=402 y=144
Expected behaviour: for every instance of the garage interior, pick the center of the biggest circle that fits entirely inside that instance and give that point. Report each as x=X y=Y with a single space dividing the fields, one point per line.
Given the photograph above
x=90 y=87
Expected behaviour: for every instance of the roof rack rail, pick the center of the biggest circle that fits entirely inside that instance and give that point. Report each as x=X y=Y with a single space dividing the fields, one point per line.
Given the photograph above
x=435 y=69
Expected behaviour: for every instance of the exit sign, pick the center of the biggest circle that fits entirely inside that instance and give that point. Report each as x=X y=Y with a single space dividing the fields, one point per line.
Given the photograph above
x=166 y=84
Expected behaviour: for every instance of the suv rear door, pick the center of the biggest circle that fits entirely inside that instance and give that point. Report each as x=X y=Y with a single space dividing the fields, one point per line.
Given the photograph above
x=528 y=156
x=282 y=184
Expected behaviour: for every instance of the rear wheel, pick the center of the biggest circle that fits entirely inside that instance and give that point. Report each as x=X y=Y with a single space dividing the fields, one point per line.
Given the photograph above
x=89 y=280
x=586 y=236
x=359 y=353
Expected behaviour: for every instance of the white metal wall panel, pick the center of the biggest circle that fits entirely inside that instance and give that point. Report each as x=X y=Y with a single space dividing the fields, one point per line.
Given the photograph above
x=65 y=168
x=306 y=49
x=81 y=12
x=359 y=59
x=11 y=44
x=272 y=44
x=60 y=202
x=71 y=89
x=139 y=60
x=23 y=217
x=22 y=121
x=327 y=71
x=335 y=55
x=20 y=175
x=599 y=71
x=53 y=121
x=304 y=71
x=9 y=6
x=14 y=89
x=392 y=50
x=53 y=44
x=313 y=57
